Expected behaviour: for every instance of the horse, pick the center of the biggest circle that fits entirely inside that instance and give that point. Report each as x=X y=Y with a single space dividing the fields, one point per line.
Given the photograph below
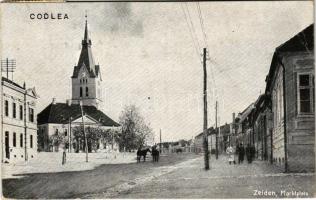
x=178 y=150
x=142 y=152
x=155 y=154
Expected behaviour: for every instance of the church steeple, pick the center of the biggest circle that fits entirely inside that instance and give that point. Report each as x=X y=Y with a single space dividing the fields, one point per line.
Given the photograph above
x=86 y=77
x=86 y=39
x=86 y=57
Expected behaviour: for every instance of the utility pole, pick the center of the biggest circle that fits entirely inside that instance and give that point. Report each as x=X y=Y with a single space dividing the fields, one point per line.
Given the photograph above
x=160 y=141
x=25 y=124
x=1 y=114
x=84 y=132
x=216 y=131
x=69 y=136
x=205 y=142
x=7 y=62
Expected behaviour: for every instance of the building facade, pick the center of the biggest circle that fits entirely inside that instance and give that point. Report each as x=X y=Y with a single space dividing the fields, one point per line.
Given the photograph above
x=290 y=85
x=224 y=133
x=263 y=126
x=19 y=126
x=58 y=121
x=244 y=127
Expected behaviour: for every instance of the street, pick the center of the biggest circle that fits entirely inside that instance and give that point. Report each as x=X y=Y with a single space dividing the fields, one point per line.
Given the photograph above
x=176 y=175
x=77 y=184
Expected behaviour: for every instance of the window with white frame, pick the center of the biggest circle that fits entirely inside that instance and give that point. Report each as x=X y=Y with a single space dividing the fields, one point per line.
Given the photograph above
x=305 y=93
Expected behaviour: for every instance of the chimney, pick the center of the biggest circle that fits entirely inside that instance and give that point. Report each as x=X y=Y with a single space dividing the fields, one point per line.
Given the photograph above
x=68 y=101
x=54 y=101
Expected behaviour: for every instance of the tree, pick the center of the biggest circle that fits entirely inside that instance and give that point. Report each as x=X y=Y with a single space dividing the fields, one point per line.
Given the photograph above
x=135 y=131
x=56 y=139
x=94 y=134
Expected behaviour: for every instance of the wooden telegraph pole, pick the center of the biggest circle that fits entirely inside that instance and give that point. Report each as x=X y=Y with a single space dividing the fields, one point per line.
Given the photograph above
x=216 y=131
x=205 y=142
x=160 y=145
x=84 y=131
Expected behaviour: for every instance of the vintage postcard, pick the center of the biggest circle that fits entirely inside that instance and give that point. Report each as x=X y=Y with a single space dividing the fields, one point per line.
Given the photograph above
x=157 y=100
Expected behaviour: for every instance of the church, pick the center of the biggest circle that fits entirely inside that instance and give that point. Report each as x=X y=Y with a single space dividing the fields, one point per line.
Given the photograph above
x=57 y=122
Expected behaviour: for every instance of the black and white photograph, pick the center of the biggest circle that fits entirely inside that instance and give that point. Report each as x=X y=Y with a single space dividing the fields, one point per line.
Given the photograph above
x=157 y=100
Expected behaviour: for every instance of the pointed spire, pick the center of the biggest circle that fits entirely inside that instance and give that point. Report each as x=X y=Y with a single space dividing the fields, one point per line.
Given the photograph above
x=86 y=37
x=86 y=58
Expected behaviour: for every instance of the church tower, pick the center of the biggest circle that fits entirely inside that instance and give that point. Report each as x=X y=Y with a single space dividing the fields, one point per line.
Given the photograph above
x=86 y=77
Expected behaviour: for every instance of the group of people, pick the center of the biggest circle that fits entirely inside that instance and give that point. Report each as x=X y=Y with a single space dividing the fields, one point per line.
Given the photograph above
x=240 y=151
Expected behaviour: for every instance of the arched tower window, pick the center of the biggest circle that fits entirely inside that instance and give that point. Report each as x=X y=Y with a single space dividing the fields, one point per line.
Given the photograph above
x=87 y=91
x=80 y=91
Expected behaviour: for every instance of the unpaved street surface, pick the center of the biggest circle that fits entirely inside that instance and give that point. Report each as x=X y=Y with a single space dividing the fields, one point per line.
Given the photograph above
x=87 y=183
x=175 y=176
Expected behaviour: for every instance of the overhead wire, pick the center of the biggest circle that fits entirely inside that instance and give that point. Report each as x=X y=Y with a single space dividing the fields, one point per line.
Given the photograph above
x=205 y=39
x=196 y=46
x=194 y=31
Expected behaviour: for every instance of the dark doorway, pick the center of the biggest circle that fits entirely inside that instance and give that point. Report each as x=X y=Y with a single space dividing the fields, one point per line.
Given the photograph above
x=7 y=147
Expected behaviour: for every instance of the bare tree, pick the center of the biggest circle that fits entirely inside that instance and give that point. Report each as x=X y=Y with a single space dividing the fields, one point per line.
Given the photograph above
x=135 y=131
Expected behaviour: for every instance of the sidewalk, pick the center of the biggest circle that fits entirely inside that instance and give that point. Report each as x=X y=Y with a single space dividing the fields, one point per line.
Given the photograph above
x=47 y=162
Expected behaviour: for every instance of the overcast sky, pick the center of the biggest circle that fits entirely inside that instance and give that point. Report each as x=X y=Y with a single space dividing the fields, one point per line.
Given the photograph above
x=145 y=50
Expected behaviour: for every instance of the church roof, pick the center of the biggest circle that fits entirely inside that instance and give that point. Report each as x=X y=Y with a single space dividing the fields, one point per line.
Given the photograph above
x=86 y=57
x=60 y=113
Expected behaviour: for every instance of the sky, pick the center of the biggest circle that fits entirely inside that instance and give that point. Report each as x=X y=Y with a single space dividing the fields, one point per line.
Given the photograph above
x=148 y=57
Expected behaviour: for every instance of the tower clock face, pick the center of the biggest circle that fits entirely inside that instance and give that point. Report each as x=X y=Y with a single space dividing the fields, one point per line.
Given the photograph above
x=83 y=74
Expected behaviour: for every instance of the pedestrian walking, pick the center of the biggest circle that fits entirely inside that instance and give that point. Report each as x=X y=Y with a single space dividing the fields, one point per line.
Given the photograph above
x=241 y=153
x=231 y=154
x=249 y=153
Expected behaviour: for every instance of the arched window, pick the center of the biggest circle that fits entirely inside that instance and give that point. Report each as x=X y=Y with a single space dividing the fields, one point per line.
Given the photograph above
x=87 y=91
x=80 y=91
